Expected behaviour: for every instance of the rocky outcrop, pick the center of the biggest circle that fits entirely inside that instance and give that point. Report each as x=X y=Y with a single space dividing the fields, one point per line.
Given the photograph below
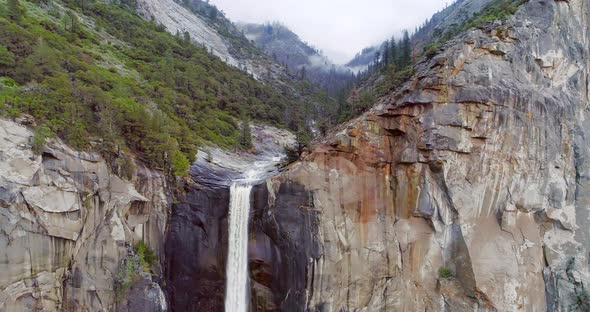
x=178 y=19
x=464 y=190
x=477 y=165
x=66 y=225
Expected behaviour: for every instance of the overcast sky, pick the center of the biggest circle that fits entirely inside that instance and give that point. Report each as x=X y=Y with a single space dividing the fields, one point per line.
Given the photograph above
x=340 y=28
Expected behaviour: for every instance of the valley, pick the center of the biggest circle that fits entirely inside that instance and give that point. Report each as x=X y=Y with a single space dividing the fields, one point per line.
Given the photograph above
x=157 y=156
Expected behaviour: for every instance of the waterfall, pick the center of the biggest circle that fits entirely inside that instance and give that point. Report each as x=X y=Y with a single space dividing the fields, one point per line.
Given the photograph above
x=237 y=255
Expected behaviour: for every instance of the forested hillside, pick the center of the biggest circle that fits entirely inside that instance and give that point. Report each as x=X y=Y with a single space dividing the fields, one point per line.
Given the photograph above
x=299 y=57
x=393 y=63
x=100 y=77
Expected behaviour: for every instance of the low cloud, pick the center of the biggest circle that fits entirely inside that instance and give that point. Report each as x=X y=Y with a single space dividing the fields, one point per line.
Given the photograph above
x=340 y=28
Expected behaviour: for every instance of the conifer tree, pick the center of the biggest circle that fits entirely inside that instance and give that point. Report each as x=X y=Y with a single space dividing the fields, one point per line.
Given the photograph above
x=245 y=135
x=14 y=10
x=302 y=73
x=406 y=50
x=377 y=59
x=72 y=20
x=386 y=53
x=393 y=52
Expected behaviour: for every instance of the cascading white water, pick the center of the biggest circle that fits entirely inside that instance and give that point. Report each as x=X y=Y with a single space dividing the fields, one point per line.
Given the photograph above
x=236 y=287
x=237 y=256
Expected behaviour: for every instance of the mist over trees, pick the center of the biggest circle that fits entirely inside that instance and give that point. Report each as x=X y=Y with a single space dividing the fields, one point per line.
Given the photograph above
x=302 y=60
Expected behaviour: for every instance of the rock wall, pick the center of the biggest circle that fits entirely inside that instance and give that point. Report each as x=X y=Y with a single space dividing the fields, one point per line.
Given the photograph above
x=67 y=224
x=196 y=242
x=196 y=249
x=281 y=241
x=478 y=165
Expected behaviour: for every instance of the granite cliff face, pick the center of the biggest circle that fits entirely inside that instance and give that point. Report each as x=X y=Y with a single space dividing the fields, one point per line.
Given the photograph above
x=478 y=164
x=67 y=224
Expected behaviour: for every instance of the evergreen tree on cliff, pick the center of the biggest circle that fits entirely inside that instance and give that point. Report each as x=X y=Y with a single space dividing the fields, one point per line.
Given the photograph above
x=393 y=51
x=245 y=136
x=406 y=50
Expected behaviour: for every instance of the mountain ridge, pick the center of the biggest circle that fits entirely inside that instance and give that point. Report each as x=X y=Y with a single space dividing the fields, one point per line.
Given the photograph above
x=287 y=48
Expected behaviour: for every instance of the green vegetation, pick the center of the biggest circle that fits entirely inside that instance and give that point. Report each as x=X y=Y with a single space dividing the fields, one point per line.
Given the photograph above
x=127 y=275
x=392 y=66
x=147 y=257
x=40 y=137
x=125 y=167
x=496 y=10
x=582 y=301
x=125 y=83
x=245 y=136
x=357 y=103
x=14 y=10
x=431 y=50
x=142 y=259
x=445 y=273
x=394 y=63
x=292 y=154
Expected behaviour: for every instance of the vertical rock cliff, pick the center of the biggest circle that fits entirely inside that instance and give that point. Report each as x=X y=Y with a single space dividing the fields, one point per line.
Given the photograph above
x=67 y=224
x=477 y=166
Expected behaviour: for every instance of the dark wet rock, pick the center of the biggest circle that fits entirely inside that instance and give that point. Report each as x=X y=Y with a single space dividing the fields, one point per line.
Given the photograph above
x=281 y=242
x=285 y=239
x=196 y=248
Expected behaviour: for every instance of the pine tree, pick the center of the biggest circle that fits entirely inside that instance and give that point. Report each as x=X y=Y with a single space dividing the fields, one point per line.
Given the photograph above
x=245 y=141
x=302 y=73
x=393 y=52
x=303 y=137
x=72 y=20
x=109 y=131
x=386 y=53
x=14 y=10
x=377 y=59
x=406 y=50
